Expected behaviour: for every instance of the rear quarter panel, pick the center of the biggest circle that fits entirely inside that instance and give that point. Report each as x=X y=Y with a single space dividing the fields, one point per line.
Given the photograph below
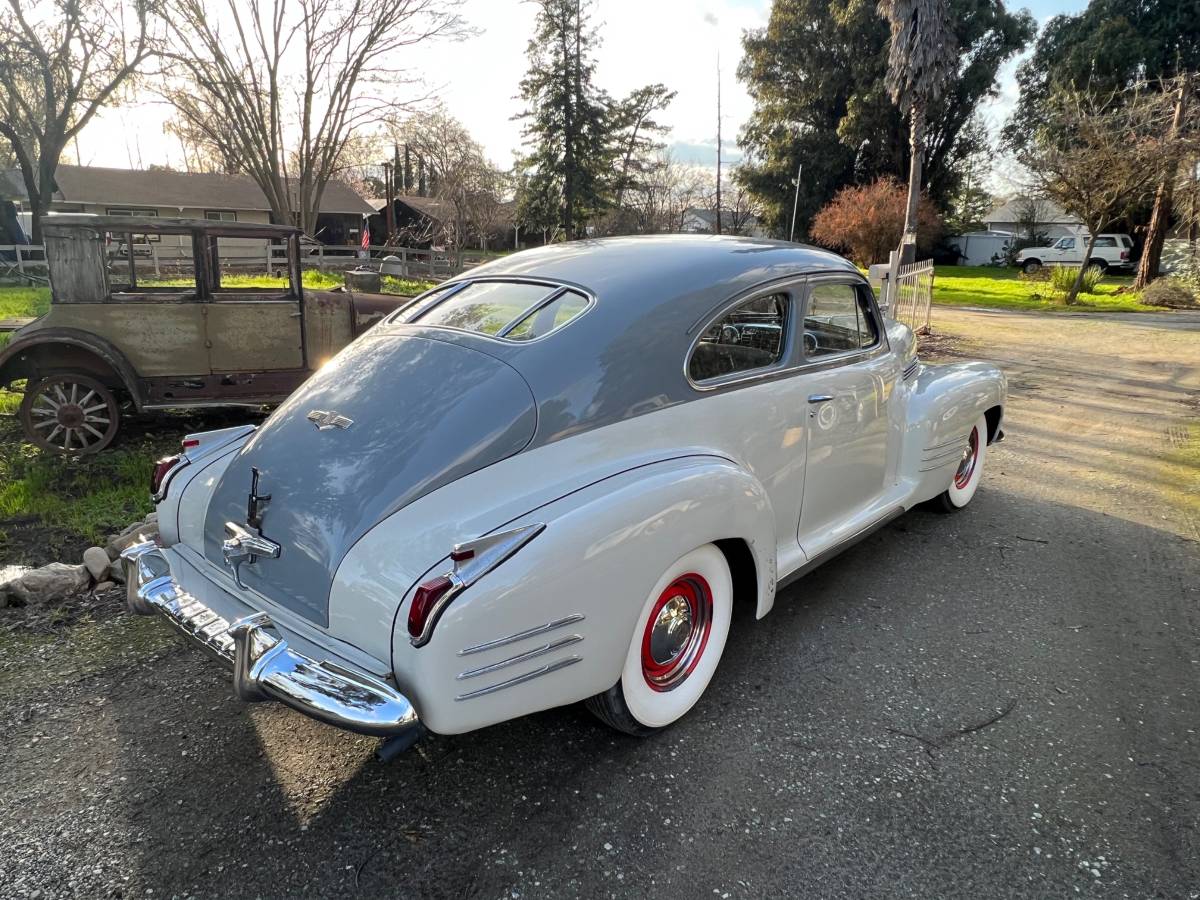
x=602 y=551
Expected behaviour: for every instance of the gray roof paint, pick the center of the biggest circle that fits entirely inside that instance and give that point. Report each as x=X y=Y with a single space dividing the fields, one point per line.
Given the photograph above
x=625 y=356
x=423 y=413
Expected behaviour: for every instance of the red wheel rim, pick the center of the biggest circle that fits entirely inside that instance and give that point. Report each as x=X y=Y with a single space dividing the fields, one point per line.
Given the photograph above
x=676 y=632
x=966 y=468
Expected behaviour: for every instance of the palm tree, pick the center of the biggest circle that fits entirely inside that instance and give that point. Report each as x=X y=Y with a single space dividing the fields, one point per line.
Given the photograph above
x=922 y=58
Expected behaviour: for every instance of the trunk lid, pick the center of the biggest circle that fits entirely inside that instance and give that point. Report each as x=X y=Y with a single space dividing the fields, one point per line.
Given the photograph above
x=399 y=416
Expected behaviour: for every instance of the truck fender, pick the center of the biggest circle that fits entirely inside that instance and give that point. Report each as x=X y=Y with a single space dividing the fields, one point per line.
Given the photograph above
x=15 y=361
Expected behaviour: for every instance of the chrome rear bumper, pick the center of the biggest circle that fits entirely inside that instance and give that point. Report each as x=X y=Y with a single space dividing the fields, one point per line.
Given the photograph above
x=264 y=666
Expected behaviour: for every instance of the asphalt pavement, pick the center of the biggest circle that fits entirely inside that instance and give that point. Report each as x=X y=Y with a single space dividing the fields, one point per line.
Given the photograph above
x=1001 y=702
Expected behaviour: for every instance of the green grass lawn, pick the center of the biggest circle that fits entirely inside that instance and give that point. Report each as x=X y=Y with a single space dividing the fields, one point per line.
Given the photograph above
x=1000 y=288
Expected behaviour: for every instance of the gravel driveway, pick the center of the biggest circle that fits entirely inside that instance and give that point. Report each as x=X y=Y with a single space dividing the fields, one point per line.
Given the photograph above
x=1001 y=702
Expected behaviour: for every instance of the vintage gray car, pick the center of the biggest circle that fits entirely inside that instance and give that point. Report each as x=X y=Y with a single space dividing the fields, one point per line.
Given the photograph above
x=120 y=335
x=551 y=480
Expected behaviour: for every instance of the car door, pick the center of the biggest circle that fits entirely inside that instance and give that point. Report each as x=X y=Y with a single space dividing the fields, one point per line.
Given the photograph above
x=849 y=384
x=250 y=327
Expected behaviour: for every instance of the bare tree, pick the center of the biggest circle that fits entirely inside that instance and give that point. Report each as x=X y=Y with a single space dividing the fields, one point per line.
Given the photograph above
x=459 y=172
x=282 y=86
x=1164 y=195
x=1100 y=157
x=60 y=62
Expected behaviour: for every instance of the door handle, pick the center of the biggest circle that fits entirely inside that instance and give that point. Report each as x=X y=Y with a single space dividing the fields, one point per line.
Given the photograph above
x=819 y=398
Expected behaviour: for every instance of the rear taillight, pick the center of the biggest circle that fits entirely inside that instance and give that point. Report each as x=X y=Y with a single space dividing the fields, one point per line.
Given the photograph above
x=1124 y=254
x=159 y=475
x=472 y=560
x=428 y=598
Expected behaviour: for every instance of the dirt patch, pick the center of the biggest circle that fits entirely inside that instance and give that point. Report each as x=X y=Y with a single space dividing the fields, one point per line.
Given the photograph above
x=28 y=541
x=90 y=606
x=939 y=345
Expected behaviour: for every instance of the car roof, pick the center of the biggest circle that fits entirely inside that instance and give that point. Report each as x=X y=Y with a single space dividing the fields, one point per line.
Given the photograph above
x=626 y=354
x=650 y=269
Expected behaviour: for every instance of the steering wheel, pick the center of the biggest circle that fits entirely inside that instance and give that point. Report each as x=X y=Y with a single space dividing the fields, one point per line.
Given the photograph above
x=811 y=345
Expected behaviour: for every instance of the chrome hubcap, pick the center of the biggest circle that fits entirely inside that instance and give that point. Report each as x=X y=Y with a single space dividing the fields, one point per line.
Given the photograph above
x=676 y=632
x=670 y=631
x=966 y=468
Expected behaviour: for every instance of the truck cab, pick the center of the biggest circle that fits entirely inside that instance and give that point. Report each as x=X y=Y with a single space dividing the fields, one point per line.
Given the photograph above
x=150 y=313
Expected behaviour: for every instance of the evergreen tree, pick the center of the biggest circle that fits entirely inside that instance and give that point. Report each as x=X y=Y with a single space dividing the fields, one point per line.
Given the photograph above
x=566 y=127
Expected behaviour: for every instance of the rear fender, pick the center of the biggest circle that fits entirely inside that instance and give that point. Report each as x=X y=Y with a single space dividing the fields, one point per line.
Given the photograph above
x=600 y=555
x=46 y=351
x=945 y=401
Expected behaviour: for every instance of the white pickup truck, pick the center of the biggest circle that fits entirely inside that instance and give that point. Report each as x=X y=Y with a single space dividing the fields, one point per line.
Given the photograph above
x=1111 y=253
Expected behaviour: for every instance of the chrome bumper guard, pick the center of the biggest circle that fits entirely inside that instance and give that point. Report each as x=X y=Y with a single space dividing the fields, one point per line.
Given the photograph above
x=264 y=666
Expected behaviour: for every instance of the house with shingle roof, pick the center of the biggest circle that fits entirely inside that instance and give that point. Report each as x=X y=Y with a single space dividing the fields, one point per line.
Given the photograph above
x=165 y=193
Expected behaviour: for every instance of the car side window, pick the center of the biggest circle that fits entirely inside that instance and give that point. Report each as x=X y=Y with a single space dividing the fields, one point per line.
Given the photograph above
x=1106 y=242
x=748 y=337
x=1068 y=243
x=837 y=320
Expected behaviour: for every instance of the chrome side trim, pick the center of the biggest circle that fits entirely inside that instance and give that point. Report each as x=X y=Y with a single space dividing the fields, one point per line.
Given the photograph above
x=521 y=679
x=948 y=453
x=848 y=542
x=911 y=369
x=264 y=666
x=522 y=657
x=958 y=439
x=522 y=635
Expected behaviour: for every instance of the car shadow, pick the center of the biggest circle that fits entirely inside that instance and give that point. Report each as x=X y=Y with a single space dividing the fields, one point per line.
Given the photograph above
x=893 y=723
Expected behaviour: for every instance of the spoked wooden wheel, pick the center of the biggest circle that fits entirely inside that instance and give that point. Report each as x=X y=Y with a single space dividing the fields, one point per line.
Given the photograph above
x=72 y=414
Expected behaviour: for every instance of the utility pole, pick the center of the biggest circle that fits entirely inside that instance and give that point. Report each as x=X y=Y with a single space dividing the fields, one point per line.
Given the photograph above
x=796 y=202
x=389 y=197
x=718 y=140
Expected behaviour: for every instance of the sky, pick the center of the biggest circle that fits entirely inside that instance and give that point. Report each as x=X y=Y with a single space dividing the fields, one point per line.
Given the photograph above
x=676 y=42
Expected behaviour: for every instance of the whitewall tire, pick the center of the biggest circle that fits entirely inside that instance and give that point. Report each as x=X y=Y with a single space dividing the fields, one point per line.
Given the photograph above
x=675 y=647
x=965 y=480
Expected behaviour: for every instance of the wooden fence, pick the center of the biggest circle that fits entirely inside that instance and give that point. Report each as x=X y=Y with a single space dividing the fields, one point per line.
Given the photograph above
x=25 y=263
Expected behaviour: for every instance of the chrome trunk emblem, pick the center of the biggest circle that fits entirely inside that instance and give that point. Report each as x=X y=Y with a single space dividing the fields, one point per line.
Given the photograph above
x=325 y=420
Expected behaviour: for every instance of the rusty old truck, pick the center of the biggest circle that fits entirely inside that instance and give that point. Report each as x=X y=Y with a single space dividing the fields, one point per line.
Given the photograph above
x=157 y=313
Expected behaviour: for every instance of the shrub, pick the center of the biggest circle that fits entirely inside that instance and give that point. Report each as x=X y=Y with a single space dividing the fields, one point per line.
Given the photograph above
x=1063 y=277
x=1171 y=292
x=867 y=222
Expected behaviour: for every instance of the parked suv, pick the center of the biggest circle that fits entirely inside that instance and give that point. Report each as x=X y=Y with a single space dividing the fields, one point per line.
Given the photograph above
x=170 y=324
x=1112 y=252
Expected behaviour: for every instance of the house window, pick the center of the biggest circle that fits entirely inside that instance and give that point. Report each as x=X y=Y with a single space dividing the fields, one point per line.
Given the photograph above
x=133 y=211
x=220 y=215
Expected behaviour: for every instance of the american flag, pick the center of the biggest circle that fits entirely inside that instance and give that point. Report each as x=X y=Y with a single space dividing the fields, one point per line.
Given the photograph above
x=366 y=238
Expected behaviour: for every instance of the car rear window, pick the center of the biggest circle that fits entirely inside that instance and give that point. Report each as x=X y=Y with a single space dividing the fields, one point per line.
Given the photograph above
x=518 y=311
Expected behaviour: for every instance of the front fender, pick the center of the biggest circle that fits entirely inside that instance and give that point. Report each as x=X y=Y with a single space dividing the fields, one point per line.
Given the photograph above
x=942 y=405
